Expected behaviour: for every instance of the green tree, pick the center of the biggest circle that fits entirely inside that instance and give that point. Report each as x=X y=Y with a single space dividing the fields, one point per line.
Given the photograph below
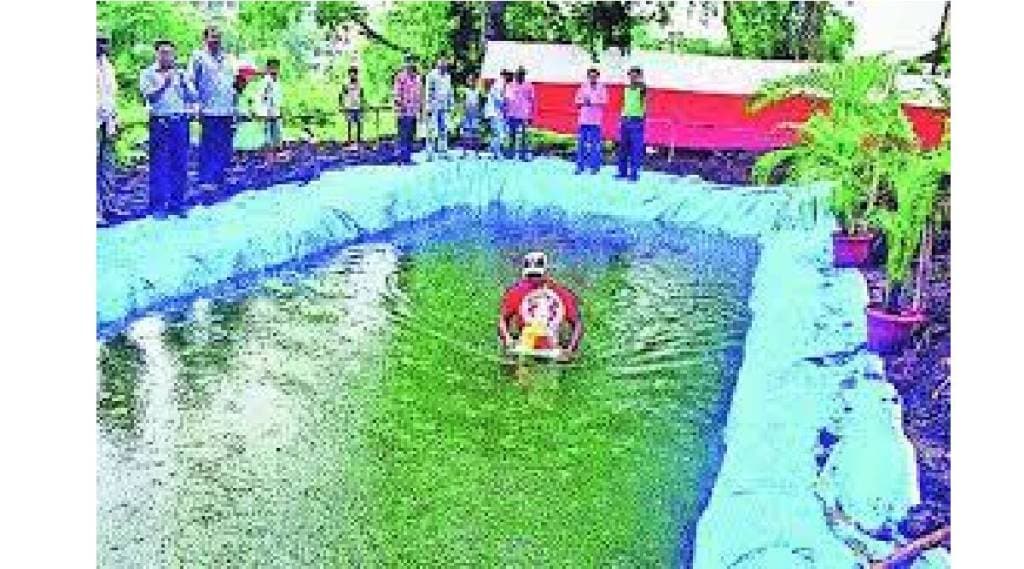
x=787 y=30
x=330 y=14
x=260 y=24
x=423 y=29
x=594 y=25
x=467 y=51
x=133 y=27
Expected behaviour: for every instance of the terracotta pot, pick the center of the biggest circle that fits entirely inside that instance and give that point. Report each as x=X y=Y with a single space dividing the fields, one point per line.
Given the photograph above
x=851 y=250
x=888 y=333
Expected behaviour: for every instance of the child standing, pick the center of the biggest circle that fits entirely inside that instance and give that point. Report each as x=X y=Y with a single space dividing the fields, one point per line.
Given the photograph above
x=472 y=101
x=270 y=106
x=631 y=139
x=352 y=100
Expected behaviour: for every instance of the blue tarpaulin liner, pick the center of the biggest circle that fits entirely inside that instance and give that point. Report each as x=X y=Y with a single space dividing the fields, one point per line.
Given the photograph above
x=782 y=498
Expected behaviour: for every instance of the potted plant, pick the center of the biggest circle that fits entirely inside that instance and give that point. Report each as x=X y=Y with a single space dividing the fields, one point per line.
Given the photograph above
x=849 y=144
x=914 y=179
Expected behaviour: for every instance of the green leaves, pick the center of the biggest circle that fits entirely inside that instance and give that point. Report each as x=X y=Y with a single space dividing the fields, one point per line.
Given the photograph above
x=788 y=30
x=852 y=143
x=133 y=27
x=915 y=180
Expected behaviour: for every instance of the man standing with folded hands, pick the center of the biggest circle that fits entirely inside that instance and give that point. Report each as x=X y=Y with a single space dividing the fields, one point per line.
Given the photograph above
x=167 y=93
x=591 y=98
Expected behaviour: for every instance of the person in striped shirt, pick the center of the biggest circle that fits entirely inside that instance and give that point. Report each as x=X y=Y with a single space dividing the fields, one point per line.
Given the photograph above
x=408 y=102
x=521 y=107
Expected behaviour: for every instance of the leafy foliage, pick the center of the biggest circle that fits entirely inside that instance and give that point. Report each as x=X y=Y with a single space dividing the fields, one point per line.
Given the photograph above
x=914 y=178
x=865 y=146
x=594 y=25
x=261 y=23
x=423 y=28
x=332 y=13
x=851 y=143
x=133 y=27
x=788 y=30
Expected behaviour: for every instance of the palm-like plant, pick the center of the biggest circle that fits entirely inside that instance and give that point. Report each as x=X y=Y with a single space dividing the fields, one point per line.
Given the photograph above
x=849 y=144
x=914 y=178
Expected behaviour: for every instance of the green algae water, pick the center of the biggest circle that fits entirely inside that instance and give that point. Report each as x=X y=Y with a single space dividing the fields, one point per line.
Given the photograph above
x=353 y=411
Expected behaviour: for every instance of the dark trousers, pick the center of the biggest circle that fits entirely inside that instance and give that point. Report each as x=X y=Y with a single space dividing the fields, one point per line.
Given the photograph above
x=104 y=169
x=588 y=149
x=406 y=133
x=517 y=136
x=354 y=117
x=631 y=147
x=168 y=162
x=215 y=149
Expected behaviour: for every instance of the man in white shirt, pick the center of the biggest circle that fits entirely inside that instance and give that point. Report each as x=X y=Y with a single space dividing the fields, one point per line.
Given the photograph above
x=106 y=125
x=494 y=112
x=213 y=73
x=439 y=100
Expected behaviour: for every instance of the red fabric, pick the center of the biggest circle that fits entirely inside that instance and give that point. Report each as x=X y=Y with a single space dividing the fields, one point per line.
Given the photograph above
x=516 y=293
x=713 y=121
x=929 y=124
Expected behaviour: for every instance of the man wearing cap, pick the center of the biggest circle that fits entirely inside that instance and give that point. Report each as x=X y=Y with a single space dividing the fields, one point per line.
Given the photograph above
x=106 y=124
x=439 y=100
x=591 y=98
x=521 y=107
x=408 y=100
x=167 y=93
x=631 y=136
x=213 y=72
x=534 y=310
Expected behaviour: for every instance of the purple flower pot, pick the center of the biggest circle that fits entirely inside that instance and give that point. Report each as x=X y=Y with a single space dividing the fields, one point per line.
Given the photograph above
x=888 y=333
x=851 y=250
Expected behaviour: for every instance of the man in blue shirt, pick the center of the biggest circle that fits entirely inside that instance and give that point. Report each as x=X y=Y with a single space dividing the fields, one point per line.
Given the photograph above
x=167 y=93
x=212 y=72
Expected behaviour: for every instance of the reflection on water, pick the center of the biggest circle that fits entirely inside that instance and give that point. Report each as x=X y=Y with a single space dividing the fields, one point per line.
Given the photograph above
x=355 y=413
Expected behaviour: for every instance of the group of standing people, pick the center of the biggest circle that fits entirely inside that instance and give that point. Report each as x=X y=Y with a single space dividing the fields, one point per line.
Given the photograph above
x=209 y=87
x=591 y=99
x=507 y=105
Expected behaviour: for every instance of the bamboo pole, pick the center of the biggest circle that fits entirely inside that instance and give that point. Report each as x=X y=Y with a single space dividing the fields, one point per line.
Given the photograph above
x=913 y=549
x=940 y=39
x=924 y=263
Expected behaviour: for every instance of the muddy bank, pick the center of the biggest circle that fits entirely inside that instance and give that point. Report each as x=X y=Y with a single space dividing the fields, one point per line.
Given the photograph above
x=921 y=374
x=301 y=163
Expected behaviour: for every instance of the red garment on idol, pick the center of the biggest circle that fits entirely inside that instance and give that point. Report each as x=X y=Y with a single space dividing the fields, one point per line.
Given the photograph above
x=519 y=299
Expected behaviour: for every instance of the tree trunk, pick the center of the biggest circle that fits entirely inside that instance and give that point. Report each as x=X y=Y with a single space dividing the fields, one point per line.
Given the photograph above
x=465 y=51
x=924 y=265
x=495 y=21
x=940 y=40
